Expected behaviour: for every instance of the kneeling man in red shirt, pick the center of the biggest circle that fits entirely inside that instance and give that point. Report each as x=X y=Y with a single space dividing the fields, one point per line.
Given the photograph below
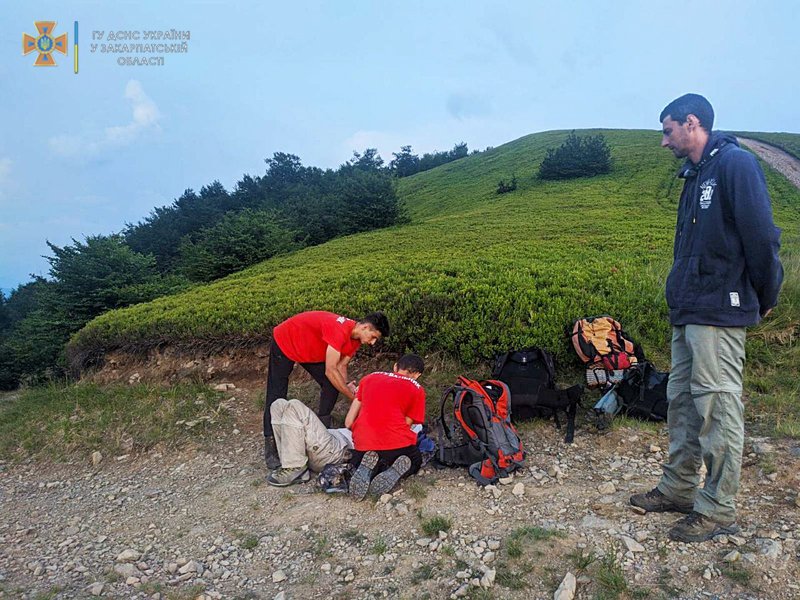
x=380 y=417
x=323 y=343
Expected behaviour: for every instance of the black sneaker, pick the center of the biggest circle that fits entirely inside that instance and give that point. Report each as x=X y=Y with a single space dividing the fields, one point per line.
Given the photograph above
x=271 y=453
x=386 y=480
x=359 y=483
x=655 y=501
x=697 y=527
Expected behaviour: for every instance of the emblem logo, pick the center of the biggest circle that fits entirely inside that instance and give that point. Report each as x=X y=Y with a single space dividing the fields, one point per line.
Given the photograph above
x=706 y=192
x=45 y=44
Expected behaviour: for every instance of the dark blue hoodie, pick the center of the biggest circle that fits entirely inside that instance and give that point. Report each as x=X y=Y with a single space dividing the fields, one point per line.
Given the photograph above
x=726 y=270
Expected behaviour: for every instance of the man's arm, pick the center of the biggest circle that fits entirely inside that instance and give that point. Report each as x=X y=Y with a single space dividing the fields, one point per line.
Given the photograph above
x=336 y=371
x=355 y=407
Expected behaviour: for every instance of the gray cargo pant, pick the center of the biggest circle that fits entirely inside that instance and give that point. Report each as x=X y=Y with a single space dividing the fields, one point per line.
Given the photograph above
x=705 y=418
x=302 y=439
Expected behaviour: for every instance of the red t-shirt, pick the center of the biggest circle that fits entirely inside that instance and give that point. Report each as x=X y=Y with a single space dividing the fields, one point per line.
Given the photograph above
x=305 y=338
x=386 y=400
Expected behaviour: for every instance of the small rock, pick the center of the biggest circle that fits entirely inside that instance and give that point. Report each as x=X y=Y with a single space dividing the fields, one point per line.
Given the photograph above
x=462 y=591
x=278 y=576
x=641 y=536
x=126 y=570
x=97 y=458
x=566 y=591
x=487 y=580
x=519 y=490
x=132 y=580
x=772 y=476
x=326 y=567
x=488 y=558
x=771 y=549
x=732 y=556
x=506 y=480
x=632 y=544
x=493 y=544
x=638 y=510
x=736 y=540
x=386 y=498
x=606 y=488
x=96 y=589
x=423 y=541
x=129 y=555
x=654 y=448
x=762 y=448
x=280 y=596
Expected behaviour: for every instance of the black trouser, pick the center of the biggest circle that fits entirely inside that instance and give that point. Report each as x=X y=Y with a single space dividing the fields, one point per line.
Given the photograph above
x=280 y=367
x=387 y=457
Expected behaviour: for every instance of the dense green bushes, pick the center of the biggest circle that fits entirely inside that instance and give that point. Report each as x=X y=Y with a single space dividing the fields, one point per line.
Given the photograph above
x=577 y=157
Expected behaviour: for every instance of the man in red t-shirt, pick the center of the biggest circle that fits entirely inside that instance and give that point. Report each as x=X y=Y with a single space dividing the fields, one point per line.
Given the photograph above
x=380 y=417
x=323 y=343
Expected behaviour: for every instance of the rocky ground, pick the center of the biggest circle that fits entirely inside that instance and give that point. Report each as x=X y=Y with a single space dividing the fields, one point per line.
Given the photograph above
x=201 y=523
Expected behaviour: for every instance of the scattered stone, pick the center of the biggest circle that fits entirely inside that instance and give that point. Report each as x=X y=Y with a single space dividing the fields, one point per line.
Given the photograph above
x=519 y=490
x=631 y=544
x=278 y=576
x=488 y=558
x=736 y=540
x=606 y=488
x=385 y=499
x=97 y=458
x=129 y=555
x=641 y=536
x=762 y=448
x=638 y=510
x=280 y=595
x=493 y=544
x=592 y=522
x=461 y=591
x=732 y=556
x=126 y=570
x=566 y=591
x=506 y=480
x=132 y=580
x=654 y=448
x=487 y=580
x=771 y=549
x=96 y=589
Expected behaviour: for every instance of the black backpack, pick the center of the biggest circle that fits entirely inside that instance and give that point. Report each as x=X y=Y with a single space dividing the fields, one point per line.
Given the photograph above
x=530 y=375
x=641 y=394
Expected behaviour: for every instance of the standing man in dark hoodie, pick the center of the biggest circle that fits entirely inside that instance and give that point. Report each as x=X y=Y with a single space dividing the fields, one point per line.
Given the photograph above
x=726 y=276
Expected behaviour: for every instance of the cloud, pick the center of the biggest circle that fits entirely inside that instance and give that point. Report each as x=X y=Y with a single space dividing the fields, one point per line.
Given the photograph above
x=145 y=117
x=467 y=105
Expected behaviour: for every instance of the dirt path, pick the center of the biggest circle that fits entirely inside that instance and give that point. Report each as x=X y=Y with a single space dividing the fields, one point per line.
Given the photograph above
x=781 y=161
x=201 y=523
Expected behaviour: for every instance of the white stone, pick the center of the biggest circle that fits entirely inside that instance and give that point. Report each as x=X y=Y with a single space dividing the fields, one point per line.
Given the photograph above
x=732 y=556
x=487 y=580
x=280 y=596
x=519 y=490
x=129 y=555
x=97 y=458
x=96 y=589
x=506 y=480
x=631 y=544
x=606 y=488
x=566 y=591
x=278 y=576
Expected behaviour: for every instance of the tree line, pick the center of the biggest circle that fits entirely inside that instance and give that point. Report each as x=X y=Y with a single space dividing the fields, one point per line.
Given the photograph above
x=199 y=237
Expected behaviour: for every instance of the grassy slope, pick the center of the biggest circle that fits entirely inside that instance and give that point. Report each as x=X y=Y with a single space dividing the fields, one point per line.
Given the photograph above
x=476 y=272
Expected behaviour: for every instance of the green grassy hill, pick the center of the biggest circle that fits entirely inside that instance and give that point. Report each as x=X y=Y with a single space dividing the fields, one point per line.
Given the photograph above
x=475 y=272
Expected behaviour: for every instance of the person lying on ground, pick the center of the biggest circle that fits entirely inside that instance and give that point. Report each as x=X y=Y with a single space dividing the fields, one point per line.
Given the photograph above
x=304 y=443
x=323 y=343
x=385 y=407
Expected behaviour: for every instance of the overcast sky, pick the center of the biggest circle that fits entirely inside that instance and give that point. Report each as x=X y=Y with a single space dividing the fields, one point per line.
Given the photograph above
x=84 y=154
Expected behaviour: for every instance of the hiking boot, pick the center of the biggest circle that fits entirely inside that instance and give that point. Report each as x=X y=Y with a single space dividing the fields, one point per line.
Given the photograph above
x=655 y=501
x=697 y=527
x=287 y=476
x=386 y=480
x=271 y=453
x=359 y=483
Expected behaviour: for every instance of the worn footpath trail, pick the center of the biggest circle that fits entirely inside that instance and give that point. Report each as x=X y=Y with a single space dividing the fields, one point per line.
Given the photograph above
x=781 y=161
x=200 y=522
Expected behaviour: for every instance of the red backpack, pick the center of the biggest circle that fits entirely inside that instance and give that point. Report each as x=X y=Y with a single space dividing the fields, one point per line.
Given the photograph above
x=478 y=432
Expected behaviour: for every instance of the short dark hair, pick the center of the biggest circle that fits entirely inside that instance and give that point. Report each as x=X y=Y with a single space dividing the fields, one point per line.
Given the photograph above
x=411 y=363
x=690 y=104
x=379 y=321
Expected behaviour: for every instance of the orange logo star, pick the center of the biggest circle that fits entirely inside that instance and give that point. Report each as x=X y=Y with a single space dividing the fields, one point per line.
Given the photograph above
x=45 y=44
